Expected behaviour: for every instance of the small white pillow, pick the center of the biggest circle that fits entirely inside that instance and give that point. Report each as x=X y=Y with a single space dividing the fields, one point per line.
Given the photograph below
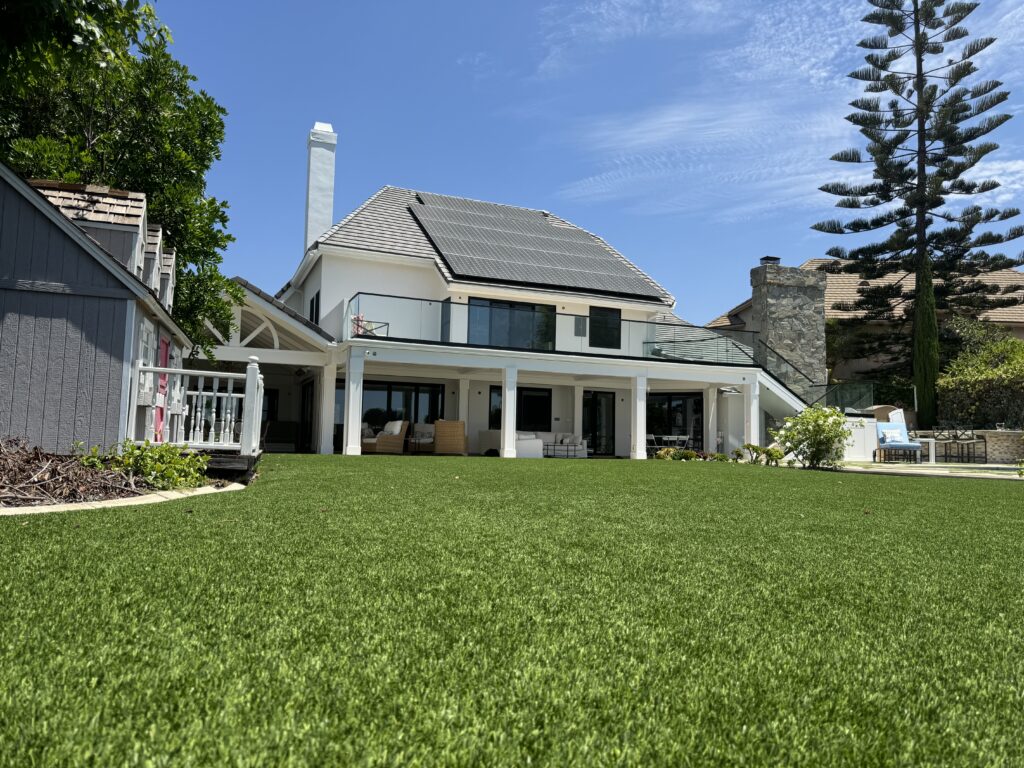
x=891 y=436
x=392 y=428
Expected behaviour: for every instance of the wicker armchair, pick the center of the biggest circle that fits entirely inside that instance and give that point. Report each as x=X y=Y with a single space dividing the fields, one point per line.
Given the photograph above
x=386 y=443
x=450 y=436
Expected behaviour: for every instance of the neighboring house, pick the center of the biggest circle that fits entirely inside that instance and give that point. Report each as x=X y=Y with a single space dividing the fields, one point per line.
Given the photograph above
x=89 y=352
x=85 y=290
x=420 y=306
x=843 y=289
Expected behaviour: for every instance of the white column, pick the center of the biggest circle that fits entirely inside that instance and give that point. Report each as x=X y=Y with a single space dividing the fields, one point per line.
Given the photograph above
x=464 y=401
x=508 y=414
x=711 y=420
x=638 y=418
x=577 y=412
x=327 y=378
x=354 y=402
x=752 y=413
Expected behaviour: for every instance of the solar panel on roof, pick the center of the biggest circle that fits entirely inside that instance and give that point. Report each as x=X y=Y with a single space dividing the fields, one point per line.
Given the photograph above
x=486 y=241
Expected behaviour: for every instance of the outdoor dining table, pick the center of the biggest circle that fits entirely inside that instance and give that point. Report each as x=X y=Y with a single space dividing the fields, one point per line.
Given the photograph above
x=672 y=441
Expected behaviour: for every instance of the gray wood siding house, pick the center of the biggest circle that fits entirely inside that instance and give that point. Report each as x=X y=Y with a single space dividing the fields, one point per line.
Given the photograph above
x=73 y=319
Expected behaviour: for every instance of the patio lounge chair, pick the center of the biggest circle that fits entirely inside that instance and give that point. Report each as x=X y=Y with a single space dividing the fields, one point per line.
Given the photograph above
x=391 y=439
x=895 y=444
x=449 y=436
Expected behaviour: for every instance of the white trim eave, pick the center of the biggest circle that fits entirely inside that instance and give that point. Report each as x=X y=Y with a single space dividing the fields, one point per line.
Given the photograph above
x=308 y=260
x=578 y=365
x=272 y=356
x=590 y=299
x=107 y=261
x=307 y=333
x=768 y=382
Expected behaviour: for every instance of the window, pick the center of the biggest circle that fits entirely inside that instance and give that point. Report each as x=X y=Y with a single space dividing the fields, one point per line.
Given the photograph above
x=579 y=326
x=415 y=403
x=494 y=409
x=271 y=399
x=605 y=328
x=314 y=308
x=533 y=409
x=511 y=325
x=677 y=413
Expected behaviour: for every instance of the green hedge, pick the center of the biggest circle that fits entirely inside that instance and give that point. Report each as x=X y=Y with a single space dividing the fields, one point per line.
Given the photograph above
x=985 y=386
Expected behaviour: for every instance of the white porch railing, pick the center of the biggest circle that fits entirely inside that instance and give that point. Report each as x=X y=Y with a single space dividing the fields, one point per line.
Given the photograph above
x=205 y=410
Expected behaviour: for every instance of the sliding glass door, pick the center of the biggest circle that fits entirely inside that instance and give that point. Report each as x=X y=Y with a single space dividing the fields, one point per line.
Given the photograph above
x=599 y=422
x=677 y=414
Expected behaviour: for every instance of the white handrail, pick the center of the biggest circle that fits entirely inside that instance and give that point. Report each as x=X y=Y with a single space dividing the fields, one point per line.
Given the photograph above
x=198 y=409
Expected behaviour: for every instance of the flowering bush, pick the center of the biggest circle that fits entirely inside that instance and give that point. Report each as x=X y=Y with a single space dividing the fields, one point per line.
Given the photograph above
x=816 y=437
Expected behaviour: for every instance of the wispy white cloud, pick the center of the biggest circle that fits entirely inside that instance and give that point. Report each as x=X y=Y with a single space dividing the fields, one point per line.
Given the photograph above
x=754 y=136
x=568 y=28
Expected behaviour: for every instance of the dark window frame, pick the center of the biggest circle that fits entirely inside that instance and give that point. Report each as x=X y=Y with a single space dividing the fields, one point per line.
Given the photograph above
x=536 y=424
x=512 y=324
x=606 y=327
x=314 y=308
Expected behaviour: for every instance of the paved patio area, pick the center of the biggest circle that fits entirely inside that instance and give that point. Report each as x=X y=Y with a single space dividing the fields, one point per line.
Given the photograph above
x=939 y=469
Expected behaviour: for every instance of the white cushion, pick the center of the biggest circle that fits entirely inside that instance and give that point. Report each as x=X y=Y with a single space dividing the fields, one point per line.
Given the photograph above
x=392 y=428
x=525 y=436
x=892 y=435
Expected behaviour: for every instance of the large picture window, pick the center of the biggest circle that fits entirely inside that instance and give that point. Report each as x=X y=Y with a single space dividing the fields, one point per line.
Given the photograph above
x=605 y=328
x=393 y=401
x=511 y=325
x=533 y=409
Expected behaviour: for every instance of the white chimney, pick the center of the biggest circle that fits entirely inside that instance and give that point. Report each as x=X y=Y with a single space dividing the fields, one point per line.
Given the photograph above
x=320 y=181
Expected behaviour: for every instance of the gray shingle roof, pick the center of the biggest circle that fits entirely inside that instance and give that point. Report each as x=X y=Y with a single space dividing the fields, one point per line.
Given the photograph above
x=553 y=253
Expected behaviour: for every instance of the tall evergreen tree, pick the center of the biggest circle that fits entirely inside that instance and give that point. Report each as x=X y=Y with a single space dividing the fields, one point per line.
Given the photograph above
x=923 y=141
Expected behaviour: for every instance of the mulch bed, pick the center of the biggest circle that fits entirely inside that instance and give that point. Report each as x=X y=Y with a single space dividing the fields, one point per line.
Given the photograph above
x=30 y=477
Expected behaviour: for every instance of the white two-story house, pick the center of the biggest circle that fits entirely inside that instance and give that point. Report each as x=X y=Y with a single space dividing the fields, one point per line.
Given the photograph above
x=514 y=322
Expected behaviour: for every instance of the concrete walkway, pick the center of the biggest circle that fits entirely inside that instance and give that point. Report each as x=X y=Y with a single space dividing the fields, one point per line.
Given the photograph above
x=133 y=501
x=979 y=471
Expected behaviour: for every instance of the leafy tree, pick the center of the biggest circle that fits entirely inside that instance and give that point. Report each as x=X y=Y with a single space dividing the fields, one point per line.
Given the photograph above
x=136 y=124
x=923 y=141
x=37 y=34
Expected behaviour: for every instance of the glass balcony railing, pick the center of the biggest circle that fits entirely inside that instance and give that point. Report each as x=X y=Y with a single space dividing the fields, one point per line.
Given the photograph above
x=376 y=316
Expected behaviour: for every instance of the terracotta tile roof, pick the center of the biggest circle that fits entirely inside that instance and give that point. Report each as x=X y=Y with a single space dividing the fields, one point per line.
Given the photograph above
x=93 y=203
x=842 y=287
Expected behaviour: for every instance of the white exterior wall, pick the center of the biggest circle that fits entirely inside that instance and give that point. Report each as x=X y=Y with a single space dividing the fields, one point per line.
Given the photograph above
x=730 y=421
x=345 y=275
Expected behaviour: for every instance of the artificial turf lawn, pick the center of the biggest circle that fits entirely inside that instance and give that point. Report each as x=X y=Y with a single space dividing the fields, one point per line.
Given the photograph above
x=480 y=611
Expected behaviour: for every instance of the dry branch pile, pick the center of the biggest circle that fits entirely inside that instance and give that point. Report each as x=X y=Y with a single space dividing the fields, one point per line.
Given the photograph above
x=29 y=477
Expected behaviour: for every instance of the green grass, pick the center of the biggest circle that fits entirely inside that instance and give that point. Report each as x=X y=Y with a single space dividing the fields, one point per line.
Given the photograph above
x=392 y=610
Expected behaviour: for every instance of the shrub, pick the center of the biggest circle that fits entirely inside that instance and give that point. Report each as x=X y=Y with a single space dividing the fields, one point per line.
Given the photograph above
x=666 y=454
x=160 y=466
x=685 y=454
x=754 y=452
x=985 y=384
x=718 y=457
x=816 y=437
x=772 y=456
x=737 y=454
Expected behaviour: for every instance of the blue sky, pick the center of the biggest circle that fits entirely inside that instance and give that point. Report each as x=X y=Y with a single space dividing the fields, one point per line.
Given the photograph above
x=690 y=134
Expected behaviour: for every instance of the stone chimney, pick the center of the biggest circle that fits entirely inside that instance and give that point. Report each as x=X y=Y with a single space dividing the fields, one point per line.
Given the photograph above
x=320 y=181
x=788 y=312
